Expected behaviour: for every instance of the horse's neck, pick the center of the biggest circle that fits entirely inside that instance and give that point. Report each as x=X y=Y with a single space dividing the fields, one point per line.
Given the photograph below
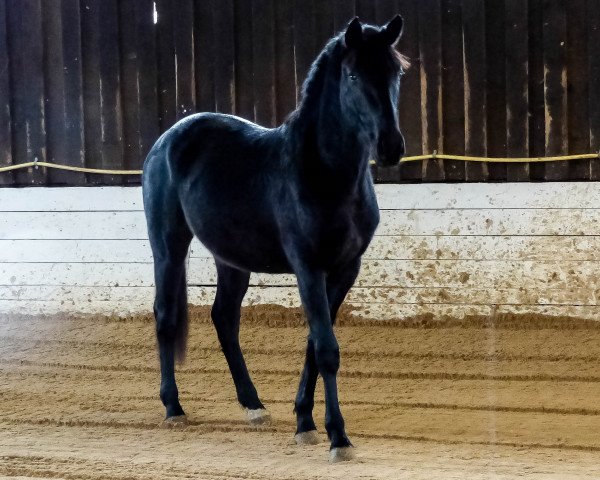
x=331 y=152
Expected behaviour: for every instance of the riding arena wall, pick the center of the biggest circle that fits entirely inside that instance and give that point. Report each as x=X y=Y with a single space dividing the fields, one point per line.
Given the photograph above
x=441 y=250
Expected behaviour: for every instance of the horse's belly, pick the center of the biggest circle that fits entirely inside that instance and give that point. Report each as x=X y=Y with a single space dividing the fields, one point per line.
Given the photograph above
x=245 y=246
x=263 y=260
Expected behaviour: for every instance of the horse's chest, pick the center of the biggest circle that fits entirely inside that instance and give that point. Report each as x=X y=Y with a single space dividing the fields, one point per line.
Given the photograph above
x=347 y=236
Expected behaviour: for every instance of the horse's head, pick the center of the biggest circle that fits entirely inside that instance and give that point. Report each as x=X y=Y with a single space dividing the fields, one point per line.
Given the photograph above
x=370 y=85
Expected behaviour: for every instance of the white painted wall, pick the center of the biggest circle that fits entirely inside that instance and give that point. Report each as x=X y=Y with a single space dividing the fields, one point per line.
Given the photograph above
x=445 y=249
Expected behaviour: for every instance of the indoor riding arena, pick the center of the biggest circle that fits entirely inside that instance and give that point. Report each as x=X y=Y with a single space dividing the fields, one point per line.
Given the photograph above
x=470 y=341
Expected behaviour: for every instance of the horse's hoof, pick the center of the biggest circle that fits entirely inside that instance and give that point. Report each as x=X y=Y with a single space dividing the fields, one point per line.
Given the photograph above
x=258 y=416
x=176 y=421
x=341 y=454
x=307 y=438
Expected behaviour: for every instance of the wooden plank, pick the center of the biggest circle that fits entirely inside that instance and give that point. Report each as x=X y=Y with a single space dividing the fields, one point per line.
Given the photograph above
x=27 y=84
x=430 y=27
x=402 y=312
x=578 y=118
x=343 y=12
x=490 y=222
x=49 y=307
x=183 y=33
x=471 y=247
x=385 y=10
x=147 y=77
x=138 y=83
x=167 y=85
x=285 y=82
x=563 y=195
x=110 y=106
x=456 y=247
x=132 y=225
x=140 y=297
x=402 y=247
x=6 y=178
x=555 y=84
x=371 y=311
x=206 y=53
x=537 y=121
x=323 y=23
x=593 y=42
x=90 y=51
x=54 y=87
x=224 y=57
x=71 y=199
x=410 y=92
x=367 y=310
x=244 y=93
x=365 y=9
x=452 y=89
x=517 y=98
x=489 y=196
x=304 y=41
x=74 y=225
x=130 y=95
x=77 y=251
x=78 y=274
x=496 y=86
x=535 y=276
x=263 y=59
x=473 y=14
x=74 y=153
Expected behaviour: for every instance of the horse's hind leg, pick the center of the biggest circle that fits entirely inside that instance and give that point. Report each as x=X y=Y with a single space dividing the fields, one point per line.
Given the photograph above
x=232 y=285
x=170 y=238
x=170 y=311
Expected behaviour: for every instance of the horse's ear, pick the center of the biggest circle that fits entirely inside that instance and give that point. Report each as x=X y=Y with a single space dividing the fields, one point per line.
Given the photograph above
x=353 y=36
x=393 y=30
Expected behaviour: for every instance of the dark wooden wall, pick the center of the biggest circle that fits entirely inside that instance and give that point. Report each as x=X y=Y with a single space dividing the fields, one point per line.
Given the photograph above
x=94 y=82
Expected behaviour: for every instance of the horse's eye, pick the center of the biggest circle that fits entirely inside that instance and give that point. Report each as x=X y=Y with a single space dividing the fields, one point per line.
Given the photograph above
x=352 y=77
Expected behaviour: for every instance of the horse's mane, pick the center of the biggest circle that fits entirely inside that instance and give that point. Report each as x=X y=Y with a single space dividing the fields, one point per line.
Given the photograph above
x=315 y=80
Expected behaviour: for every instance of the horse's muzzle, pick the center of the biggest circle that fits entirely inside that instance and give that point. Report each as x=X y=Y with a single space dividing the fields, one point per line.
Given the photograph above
x=390 y=149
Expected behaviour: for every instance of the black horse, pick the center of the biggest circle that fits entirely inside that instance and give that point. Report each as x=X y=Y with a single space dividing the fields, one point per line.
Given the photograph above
x=294 y=199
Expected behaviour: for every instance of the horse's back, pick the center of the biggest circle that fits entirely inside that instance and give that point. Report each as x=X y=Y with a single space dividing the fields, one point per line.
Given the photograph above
x=226 y=173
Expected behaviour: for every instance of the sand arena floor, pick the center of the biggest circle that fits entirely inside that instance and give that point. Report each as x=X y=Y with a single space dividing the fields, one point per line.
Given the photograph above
x=422 y=400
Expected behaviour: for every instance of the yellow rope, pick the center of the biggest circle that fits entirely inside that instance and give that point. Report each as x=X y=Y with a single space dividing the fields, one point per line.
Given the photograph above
x=70 y=168
x=501 y=159
x=433 y=156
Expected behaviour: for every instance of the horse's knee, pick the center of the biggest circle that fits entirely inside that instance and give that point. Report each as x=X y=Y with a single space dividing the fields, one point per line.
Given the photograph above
x=327 y=353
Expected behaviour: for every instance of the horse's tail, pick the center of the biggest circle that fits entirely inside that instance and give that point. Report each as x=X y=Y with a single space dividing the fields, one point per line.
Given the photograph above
x=170 y=238
x=181 y=327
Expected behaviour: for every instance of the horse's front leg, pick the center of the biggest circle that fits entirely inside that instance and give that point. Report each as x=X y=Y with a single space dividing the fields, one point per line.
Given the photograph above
x=313 y=292
x=338 y=283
